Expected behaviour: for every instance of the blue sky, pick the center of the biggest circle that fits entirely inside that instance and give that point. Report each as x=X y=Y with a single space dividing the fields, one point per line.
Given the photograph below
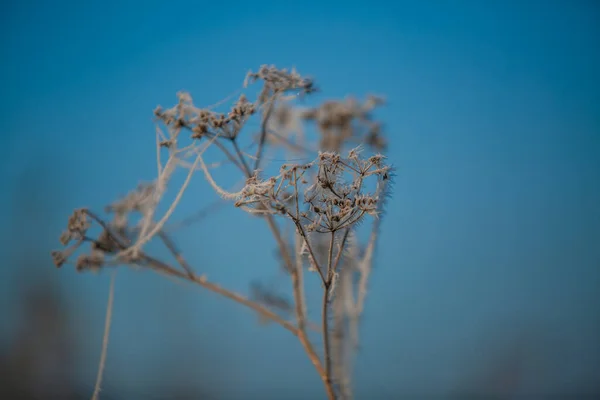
x=491 y=237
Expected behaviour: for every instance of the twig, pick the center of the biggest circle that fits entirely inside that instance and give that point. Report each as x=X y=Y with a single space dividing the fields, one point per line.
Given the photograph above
x=190 y=276
x=326 y=289
x=107 y=321
x=339 y=255
x=202 y=281
x=263 y=132
x=309 y=247
x=176 y=253
x=241 y=156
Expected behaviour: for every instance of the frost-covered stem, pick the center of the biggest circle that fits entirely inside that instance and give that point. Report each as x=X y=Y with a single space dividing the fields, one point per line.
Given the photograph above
x=309 y=247
x=325 y=313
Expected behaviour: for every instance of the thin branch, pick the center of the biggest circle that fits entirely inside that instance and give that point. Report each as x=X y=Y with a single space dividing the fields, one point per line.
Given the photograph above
x=309 y=247
x=121 y=242
x=160 y=187
x=241 y=156
x=158 y=226
x=176 y=253
x=230 y=156
x=202 y=281
x=339 y=254
x=107 y=321
x=325 y=313
x=263 y=132
x=158 y=140
x=296 y=196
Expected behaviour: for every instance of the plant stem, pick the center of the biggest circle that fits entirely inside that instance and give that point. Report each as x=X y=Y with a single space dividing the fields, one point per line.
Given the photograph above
x=299 y=302
x=263 y=133
x=108 y=319
x=241 y=157
x=213 y=287
x=296 y=275
x=325 y=310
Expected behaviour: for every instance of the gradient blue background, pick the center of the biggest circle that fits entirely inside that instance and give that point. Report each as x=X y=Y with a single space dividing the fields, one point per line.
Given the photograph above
x=490 y=254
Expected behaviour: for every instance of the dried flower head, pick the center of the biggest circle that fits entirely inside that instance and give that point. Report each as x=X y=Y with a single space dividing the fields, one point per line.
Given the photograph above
x=77 y=226
x=345 y=121
x=204 y=122
x=334 y=201
x=278 y=81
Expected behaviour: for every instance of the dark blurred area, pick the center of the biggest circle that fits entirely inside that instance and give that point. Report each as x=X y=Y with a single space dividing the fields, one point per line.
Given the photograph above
x=38 y=352
x=36 y=360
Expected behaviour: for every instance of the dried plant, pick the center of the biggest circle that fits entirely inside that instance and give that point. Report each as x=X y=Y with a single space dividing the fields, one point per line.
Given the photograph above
x=324 y=200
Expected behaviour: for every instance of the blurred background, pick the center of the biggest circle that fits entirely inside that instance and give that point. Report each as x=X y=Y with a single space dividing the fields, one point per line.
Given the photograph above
x=487 y=279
